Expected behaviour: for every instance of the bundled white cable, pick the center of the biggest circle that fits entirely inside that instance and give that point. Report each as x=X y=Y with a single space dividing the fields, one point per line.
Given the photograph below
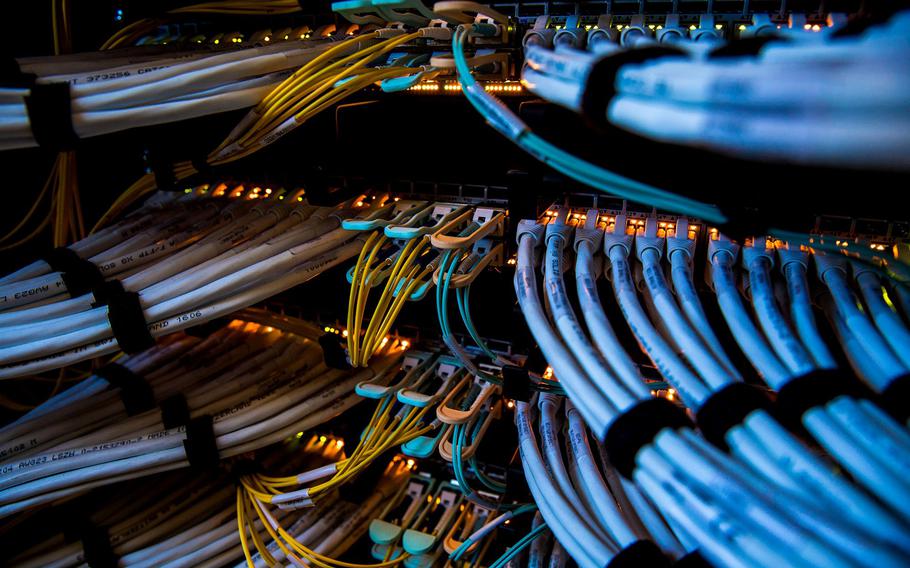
x=168 y=88
x=249 y=251
x=830 y=100
x=273 y=386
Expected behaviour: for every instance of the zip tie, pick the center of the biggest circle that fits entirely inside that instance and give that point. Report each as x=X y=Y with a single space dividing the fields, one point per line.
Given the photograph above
x=815 y=388
x=135 y=393
x=600 y=87
x=96 y=546
x=640 y=553
x=50 y=116
x=124 y=313
x=637 y=428
x=174 y=411
x=79 y=275
x=727 y=408
x=199 y=445
x=516 y=383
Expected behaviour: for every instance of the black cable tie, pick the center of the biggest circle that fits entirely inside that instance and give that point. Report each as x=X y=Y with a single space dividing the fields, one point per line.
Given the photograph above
x=637 y=427
x=727 y=408
x=174 y=411
x=11 y=74
x=692 y=559
x=124 y=312
x=600 y=87
x=135 y=392
x=333 y=352
x=516 y=383
x=895 y=399
x=79 y=275
x=50 y=116
x=815 y=388
x=201 y=450
x=96 y=546
x=640 y=553
x=202 y=166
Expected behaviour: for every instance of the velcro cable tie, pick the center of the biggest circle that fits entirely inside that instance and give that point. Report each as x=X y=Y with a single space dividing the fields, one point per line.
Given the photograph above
x=96 y=546
x=516 y=383
x=693 y=559
x=50 y=116
x=135 y=392
x=637 y=427
x=640 y=553
x=601 y=84
x=174 y=411
x=79 y=275
x=124 y=312
x=333 y=352
x=11 y=74
x=727 y=408
x=815 y=388
x=201 y=450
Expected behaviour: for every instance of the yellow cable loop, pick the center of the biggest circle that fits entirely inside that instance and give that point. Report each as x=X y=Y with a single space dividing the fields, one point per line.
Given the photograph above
x=382 y=304
x=374 y=342
x=367 y=55
x=389 y=440
x=364 y=446
x=268 y=526
x=241 y=528
x=399 y=304
x=363 y=294
x=353 y=329
x=256 y=537
x=277 y=96
x=326 y=562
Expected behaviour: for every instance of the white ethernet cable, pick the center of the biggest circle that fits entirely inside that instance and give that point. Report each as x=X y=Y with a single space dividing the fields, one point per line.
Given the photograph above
x=758 y=261
x=722 y=254
x=889 y=324
x=750 y=440
x=680 y=251
x=558 y=234
x=198 y=285
x=597 y=410
x=793 y=265
x=584 y=546
x=794 y=101
x=260 y=419
x=832 y=270
x=864 y=456
x=588 y=240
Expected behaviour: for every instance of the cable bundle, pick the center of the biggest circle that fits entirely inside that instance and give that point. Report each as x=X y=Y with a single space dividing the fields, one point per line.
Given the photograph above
x=183 y=519
x=816 y=98
x=242 y=388
x=777 y=496
x=112 y=94
x=335 y=74
x=178 y=262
